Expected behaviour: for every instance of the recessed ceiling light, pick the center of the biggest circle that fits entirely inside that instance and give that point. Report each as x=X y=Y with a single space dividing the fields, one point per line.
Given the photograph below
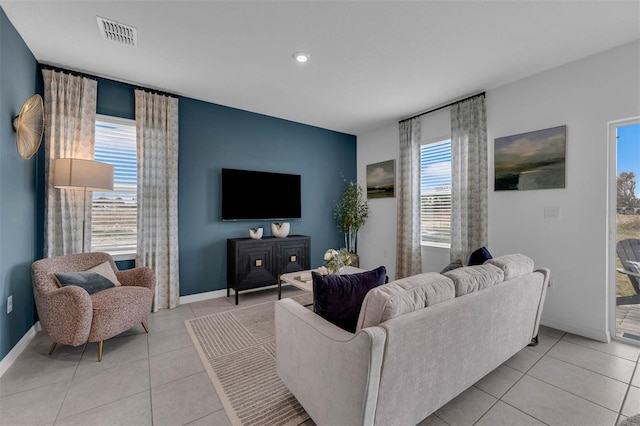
x=301 y=57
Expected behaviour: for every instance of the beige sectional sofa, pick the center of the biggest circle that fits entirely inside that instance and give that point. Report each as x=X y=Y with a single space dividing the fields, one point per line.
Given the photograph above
x=420 y=342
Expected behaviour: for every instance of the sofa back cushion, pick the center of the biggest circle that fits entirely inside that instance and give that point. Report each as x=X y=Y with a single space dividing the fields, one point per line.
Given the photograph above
x=474 y=278
x=513 y=265
x=338 y=298
x=403 y=296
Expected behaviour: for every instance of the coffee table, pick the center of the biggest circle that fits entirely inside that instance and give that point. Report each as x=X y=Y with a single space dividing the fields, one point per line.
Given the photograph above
x=303 y=280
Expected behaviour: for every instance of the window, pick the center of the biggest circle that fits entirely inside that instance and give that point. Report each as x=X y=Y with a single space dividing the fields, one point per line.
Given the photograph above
x=435 y=194
x=114 y=220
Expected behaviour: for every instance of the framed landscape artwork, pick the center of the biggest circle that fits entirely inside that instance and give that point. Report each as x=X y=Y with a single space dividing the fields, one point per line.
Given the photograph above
x=381 y=179
x=533 y=160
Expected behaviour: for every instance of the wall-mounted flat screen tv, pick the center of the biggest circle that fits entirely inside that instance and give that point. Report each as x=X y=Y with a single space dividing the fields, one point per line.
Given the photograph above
x=254 y=195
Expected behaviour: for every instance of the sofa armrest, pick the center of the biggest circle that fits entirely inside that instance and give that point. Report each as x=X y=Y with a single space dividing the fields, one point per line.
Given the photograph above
x=66 y=314
x=140 y=276
x=334 y=374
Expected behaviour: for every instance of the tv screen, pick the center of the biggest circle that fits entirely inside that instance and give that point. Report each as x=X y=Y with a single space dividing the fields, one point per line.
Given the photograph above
x=252 y=195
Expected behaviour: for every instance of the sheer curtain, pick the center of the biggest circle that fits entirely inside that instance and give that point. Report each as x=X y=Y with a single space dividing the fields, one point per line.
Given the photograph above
x=157 y=143
x=468 y=177
x=408 y=255
x=70 y=116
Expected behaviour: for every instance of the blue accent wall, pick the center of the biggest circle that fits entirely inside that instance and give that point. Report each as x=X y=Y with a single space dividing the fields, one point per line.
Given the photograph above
x=18 y=82
x=213 y=137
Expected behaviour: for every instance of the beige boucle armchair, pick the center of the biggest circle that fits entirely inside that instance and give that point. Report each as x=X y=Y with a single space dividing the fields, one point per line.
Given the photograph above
x=71 y=316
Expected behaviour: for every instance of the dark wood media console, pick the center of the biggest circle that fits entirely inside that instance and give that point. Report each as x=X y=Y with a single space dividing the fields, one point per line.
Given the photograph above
x=258 y=263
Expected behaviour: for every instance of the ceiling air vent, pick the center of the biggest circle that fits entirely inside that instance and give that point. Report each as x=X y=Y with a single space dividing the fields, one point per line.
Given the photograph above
x=115 y=31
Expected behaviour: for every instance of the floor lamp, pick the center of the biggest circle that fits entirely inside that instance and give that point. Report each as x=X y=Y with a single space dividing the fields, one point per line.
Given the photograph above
x=85 y=175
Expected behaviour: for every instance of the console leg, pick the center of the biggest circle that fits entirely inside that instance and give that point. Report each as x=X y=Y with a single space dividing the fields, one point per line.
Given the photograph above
x=236 y=296
x=534 y=341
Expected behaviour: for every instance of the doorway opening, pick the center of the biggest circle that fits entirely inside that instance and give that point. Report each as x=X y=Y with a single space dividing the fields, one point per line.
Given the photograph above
x=625 y=248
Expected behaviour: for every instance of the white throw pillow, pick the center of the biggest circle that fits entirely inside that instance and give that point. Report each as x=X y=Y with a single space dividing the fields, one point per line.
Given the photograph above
x=106 y=271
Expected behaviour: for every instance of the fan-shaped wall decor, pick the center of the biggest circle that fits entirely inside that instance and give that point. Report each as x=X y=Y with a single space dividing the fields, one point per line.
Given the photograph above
x=29 y=125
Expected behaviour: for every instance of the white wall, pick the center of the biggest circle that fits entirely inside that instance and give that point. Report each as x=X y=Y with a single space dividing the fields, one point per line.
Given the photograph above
x=584 y=95
x=377 y=238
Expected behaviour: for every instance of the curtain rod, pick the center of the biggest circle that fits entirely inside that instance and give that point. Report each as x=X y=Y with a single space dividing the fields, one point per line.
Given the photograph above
x=93 y=77
x=443 y=106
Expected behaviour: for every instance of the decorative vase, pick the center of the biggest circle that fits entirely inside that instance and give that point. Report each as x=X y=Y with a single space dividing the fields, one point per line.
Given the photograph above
x=256 y=233
x=280 y=230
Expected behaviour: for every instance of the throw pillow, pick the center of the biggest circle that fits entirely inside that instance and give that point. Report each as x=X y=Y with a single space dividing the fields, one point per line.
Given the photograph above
x=479 y=256
x=453 y=265
x=92 y=282
x=338 y=298
x=106 y=271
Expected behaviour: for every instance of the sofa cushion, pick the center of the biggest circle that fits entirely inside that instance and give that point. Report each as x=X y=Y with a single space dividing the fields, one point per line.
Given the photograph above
x=479 y=256
x=338 y=298
x=403 y=296
x=513 y=265
x=473 y=278
x=92 y=282
x=106 y=271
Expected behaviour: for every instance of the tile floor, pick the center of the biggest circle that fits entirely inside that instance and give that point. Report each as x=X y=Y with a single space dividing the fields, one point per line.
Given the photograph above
x=158 y=379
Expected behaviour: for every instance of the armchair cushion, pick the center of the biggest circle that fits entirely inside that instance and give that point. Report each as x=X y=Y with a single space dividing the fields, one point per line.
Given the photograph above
x=92 y=282
x=131 y=303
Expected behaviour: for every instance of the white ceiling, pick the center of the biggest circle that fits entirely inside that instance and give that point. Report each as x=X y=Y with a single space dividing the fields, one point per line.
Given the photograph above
x=371 y=61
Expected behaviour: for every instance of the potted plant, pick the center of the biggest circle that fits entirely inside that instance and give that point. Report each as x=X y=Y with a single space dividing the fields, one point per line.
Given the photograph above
x=350 y=213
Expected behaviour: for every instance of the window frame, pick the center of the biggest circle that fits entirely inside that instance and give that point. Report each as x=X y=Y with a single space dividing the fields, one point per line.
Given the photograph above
x=435 y=244
x=128 y=255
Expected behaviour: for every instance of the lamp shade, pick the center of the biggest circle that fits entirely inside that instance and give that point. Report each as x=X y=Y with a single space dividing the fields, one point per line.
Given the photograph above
x=73 y=173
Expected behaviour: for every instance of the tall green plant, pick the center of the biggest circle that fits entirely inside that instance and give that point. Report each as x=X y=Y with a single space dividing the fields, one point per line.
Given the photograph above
x=350 y=213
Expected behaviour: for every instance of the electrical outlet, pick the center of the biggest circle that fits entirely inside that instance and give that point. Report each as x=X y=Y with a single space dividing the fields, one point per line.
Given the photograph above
x=9 y=304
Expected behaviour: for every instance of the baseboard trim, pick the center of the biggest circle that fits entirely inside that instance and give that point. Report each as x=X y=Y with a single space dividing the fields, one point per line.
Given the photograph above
x=599 y=335
x=190 y=298
x=202 y=296
x=15 y=352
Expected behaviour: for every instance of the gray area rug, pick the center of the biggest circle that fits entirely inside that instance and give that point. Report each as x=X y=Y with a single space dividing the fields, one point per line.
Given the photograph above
x=238 y=351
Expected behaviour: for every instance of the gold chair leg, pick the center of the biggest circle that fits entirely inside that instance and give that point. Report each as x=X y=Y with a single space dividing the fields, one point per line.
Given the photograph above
x=144 y=325
x=100 y=350
x=53 y=347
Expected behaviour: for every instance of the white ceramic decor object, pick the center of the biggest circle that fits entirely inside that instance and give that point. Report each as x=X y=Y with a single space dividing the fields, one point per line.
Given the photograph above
x=280 y=230
x=256 y=233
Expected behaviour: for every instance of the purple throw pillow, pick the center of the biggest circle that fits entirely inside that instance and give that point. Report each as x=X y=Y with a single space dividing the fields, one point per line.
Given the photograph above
x=338 y=298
